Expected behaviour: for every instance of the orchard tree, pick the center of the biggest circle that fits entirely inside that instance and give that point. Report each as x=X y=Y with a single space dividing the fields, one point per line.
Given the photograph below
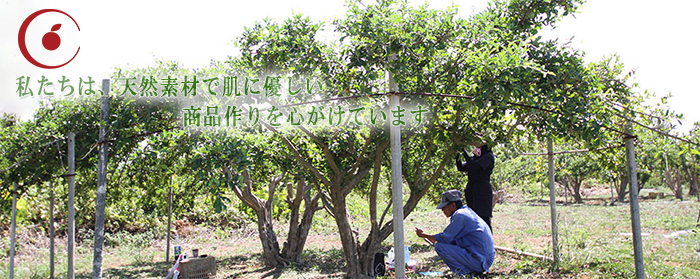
x=520 y=173
x=669 y=160
x=504 y=82
x=574 y=169
x=35 y=150
x=250 y=165
x=621 y=104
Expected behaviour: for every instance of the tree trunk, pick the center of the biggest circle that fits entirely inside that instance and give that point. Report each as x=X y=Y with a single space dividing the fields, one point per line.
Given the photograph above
x=567 y=189
x=419 y=184
x=299 y=231
x=374 y=240
x=354 y=269
x=697 y=183
x=367 y=251
x=678 y=188
x=339 y=182
x=576 y=183
x=294 y=201
x=669 y=181
x=263 y=210
x=268 y=239
x=694 y=187
x=622 y=189
x=692 y=183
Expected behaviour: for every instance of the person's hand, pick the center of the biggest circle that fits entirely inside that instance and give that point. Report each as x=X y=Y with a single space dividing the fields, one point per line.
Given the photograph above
x=420 y=233
x=429 y=238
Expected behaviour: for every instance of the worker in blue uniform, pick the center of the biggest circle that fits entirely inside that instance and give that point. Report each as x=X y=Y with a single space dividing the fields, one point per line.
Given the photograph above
x=466 y=244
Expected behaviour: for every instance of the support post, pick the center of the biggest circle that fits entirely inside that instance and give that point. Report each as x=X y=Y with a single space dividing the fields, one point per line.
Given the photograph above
x=170 y=214
x=396 y=185
x=13 y=226
x=52 y=232
x=101 y=193
x=71 y=205
x=634 y=204
x=612 y=190
x=553 y=204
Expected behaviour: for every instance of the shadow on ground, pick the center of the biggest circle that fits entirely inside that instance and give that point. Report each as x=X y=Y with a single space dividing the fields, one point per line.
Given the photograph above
x=140 y=270
x=322 y=263
x=319 y=264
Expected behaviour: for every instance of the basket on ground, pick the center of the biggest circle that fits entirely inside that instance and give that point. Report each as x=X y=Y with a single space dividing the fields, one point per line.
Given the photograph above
x=198 y=268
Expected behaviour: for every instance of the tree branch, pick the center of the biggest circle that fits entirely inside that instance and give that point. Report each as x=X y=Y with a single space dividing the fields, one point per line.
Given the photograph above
x=375 y=181
x=356 y=179
x=271 y=190
x=386 y=210
x=361 y=157
x=327 y=205
x=240 y=193
x=298 y=156
x=330 y=157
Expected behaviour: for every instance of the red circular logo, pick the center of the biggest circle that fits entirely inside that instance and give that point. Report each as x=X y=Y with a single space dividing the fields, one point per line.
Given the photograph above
x=50 y=41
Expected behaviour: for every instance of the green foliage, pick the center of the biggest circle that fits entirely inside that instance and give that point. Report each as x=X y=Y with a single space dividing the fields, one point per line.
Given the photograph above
x=124 y=238
x=35 y=151
x=510 y=81
x=218 y=162
x=231 y=218
x=522 y=174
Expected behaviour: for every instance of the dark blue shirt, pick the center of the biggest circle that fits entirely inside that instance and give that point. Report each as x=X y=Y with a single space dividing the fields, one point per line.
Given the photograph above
x=469 y=231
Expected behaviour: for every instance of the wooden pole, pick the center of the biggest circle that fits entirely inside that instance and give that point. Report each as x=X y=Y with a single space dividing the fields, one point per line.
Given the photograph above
x=71 y=205
x=553 y=203
x=396 y=185
x=634 y=205
x=170 y=215
x=101 y=193
x=52 y=232
x=13 y=226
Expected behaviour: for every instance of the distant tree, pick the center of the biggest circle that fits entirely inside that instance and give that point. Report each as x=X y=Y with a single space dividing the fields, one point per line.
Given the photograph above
x=575 y=168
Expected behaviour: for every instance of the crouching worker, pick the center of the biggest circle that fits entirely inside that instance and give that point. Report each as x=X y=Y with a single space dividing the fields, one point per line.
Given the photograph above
x=466 y=244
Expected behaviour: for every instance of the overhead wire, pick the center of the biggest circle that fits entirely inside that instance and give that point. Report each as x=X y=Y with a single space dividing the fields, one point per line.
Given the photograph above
x=145 y=134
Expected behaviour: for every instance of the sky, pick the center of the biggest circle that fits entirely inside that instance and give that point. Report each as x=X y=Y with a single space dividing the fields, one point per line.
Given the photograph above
x=654 y=39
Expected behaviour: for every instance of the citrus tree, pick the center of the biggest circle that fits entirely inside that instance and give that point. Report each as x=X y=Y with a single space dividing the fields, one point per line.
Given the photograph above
x=486 y=79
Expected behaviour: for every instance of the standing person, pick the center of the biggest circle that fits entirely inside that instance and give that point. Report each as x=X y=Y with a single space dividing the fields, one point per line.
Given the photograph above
x=478 y=193
x=466 y=244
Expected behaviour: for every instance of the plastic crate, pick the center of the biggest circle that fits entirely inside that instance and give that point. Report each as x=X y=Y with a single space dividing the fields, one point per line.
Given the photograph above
x=198 y=268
